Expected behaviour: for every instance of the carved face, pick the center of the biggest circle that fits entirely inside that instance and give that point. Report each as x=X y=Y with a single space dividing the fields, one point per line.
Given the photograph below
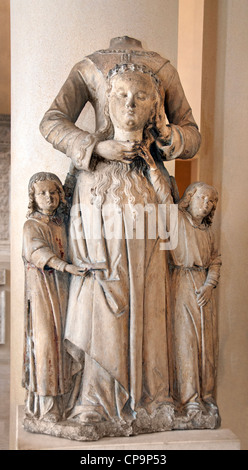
x=131 y=101
x=201 y=203
x=46 y=196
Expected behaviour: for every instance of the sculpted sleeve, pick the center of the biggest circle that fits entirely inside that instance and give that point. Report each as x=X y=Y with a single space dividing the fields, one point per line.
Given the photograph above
x=185 y=137
x=214 y=266
x=58 y=124
x=36 y=249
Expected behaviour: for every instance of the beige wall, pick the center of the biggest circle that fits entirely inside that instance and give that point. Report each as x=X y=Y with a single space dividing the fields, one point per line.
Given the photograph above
x=223 y=162
x=48 y=38
x=5 y=57
x=189 y=61
x=229 y=144
x=189 y=65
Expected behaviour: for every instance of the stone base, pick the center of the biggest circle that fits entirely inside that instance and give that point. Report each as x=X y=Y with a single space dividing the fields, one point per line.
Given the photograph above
x=217 y=439
x=207 y=439
x=164 y=419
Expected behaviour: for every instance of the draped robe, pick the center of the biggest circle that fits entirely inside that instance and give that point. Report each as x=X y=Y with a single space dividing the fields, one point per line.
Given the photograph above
x=194 y=262
x=116 y=321
x=116 y=318
x=47 y=366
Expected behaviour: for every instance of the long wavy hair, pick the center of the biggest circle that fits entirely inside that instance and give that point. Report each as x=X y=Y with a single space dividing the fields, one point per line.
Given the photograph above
x=188 y=194
x=118 y=177
x=63 y=208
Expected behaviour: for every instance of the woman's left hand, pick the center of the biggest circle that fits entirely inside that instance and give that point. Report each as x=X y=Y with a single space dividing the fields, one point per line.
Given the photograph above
x=146 y=155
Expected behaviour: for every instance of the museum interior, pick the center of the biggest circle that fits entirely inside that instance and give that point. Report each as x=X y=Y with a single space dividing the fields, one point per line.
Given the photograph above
x=206 y=40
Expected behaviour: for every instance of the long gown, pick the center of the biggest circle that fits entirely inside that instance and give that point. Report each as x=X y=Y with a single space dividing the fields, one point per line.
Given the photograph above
x=195 y=261
x=47 y=365
x=116 y=322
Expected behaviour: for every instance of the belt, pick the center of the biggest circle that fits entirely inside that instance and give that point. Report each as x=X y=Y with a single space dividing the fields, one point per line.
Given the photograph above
x=187 y=268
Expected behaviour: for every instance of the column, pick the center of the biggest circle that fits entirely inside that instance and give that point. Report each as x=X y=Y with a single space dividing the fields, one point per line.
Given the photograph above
x=48 y=38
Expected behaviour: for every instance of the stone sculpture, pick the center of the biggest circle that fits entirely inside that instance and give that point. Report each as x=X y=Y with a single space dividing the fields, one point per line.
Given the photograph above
x=195 y=270
x=46 y=371
x=122 y=333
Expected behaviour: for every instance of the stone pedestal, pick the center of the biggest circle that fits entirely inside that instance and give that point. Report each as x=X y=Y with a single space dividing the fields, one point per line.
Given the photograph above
x=221 y=439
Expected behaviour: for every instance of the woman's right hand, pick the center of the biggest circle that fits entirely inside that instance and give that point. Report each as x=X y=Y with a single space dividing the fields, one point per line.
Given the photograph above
x=117 y=150
x=76 y=270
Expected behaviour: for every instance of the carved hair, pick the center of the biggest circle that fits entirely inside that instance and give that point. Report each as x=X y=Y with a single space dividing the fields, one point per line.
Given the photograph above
x=188 y=194
x=45 y=176
x=122 y=175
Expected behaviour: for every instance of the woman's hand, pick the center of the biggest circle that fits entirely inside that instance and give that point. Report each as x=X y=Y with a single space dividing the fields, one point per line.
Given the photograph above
x=203 y=295
x=76 y=270
x=117 y=150
x=146 y=155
